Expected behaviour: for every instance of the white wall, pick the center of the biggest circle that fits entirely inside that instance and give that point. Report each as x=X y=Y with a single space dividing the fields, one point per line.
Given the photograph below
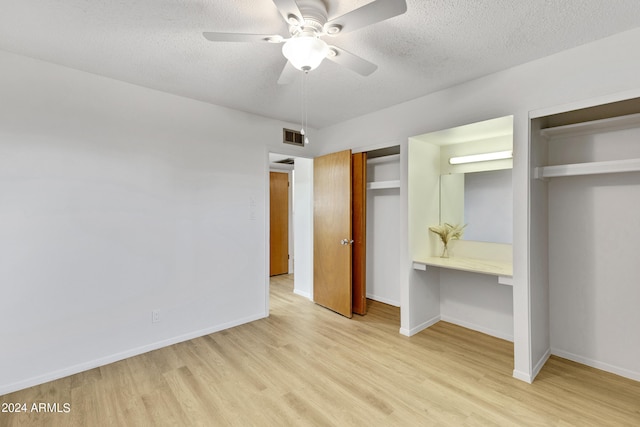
x=303 y=227
x=477 y=301
x=421 y=302
x=115 y=201
x=290 y=224
x=597 y=69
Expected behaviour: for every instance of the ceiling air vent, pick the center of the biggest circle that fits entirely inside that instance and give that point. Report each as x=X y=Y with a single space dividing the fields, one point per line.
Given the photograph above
x=293 y=137
x=287 y=161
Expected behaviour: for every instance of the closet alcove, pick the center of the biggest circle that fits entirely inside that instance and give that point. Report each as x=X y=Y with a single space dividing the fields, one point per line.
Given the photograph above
x=473 y=286
x=383 y=225
x=585 y=236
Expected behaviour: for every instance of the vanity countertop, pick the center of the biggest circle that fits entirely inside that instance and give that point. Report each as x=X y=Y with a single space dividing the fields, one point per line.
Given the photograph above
x=496 y=268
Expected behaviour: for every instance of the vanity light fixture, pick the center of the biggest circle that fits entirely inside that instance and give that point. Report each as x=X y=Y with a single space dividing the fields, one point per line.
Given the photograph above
x=498 y=155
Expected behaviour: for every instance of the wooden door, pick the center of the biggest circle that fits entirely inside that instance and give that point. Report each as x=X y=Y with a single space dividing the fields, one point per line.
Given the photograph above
x=279 y=222
x=359 y=229
x=332 y=286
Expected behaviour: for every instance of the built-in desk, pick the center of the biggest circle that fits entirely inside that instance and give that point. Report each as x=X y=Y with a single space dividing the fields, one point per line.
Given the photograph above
x=503 y=270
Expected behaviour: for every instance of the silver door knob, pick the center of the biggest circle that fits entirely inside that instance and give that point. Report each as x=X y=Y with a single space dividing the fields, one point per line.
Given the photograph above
x=345 y=242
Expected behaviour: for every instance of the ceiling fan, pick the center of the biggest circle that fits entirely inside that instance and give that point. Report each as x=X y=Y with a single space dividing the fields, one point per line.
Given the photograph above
x=308 y=22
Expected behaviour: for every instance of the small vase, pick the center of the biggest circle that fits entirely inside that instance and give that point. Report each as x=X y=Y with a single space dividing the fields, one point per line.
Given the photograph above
x=445 y=251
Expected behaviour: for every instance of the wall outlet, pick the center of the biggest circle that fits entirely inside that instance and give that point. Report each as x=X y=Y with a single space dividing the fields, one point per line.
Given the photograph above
x=155 y=316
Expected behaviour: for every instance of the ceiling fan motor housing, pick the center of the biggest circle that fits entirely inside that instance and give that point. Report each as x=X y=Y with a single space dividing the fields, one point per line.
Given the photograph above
x=314 y=13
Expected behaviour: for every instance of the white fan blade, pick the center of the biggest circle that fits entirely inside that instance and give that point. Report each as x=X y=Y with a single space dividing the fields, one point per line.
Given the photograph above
x=351 y=61
x=240 y=37
x=288 y=75
x=288 y=8
x=370 y=13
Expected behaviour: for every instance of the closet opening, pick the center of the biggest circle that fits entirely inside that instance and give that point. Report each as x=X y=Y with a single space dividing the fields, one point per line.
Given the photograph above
x=585 y=236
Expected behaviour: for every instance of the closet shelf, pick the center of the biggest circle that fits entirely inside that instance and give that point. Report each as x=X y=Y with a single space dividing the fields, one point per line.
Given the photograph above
x=612 y=123
x=383 y=184
x=591 y=168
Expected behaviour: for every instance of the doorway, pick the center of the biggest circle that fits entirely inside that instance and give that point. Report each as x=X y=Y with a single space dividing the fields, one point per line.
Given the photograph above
x=300 y=219
x=382 y=217
x=279 y=184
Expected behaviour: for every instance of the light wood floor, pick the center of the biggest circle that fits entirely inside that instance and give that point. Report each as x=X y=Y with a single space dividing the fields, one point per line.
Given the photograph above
x=305 y=365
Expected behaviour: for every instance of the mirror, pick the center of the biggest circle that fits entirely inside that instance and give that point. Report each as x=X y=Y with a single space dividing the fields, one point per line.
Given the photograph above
x=482 y=200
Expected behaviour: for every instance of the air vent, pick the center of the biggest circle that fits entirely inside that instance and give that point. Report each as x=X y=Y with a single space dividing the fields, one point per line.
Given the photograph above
x=293 y=137
x=287 y=161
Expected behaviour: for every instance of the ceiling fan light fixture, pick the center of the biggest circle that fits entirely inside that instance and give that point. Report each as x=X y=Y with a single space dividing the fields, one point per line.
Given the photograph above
x=305 y=52
x=498 y=155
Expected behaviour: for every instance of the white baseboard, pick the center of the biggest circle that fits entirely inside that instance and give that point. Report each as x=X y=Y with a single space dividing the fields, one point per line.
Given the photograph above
x=479 y=328
x=522 y=376
x=85 y=366
x=597 y=364
x=536 y=369
x=538 y=366
x=307 y=295
x=420 y=327
x=384 y=300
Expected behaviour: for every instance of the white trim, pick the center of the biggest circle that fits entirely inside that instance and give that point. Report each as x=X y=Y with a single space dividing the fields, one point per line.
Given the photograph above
x=478 y=328
x=380 y=185
x=85 y=366
x=379 y=146
x=280 y=168
x=267 y=232
x=505 y=280
x=420 y=327
x=290 y=223
x=585 y=103
x=538 y=367
x=419 y=266
x=404 y=259
x=384 y=300
x=522 y=376
x=303 y=294
x=597 y=364
x=527 y=248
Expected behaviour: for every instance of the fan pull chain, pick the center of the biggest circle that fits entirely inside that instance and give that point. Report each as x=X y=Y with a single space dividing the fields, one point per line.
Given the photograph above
x=306 y=104
x=302 y=106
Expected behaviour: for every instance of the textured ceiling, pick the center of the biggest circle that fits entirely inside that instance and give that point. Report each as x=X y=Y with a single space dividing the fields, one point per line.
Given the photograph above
x=435 y=44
